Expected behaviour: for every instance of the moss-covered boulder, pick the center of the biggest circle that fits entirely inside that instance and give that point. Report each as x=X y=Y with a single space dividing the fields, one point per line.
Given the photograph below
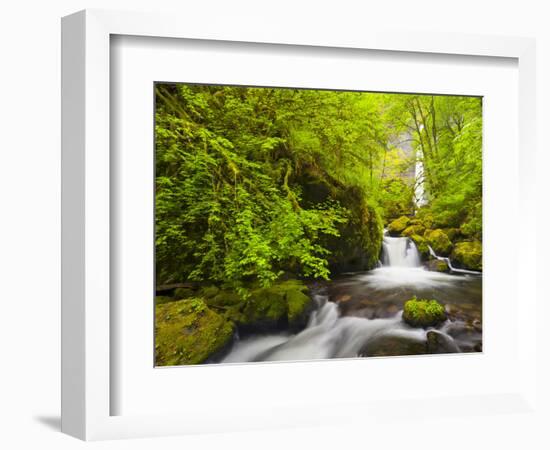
x=300 y=306
x=396 y=227
x=421 y=245
x=468 y=255
x=285 y=305
x=413 y=229
x=423 y=313
x=209 y=291
x=188 y=332
x=439 y=241
x=436 y=265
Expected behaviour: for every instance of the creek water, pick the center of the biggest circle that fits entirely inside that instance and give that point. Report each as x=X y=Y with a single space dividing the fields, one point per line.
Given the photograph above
x=359 y=314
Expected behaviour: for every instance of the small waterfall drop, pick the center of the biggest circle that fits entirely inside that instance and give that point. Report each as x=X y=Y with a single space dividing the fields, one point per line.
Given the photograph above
x=399 y=252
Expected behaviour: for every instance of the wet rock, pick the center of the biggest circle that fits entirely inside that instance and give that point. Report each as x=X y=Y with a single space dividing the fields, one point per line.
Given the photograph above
x=435 y=265
x=438 y=342
x=343 y=298
x=388 y=345
x=385 y=311
x=477 y=325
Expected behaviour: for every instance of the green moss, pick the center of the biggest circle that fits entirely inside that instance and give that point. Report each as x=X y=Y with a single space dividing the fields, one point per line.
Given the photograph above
x=209 y=291
x=452 y=233
x=439 y=241
x=285 y=304
x=161 y=299
x=398 y=225
x=425 y=218
x=183 y=292
x=298 y=308
x=421 y=245
x=188 y=332
x=468 y=255
x=423 y=313
x=413 y=229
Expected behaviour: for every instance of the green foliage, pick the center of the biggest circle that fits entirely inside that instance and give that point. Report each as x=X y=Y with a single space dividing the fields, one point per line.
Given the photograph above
x=423 y=313
x=231 y=165
x=396 y=197
x=253 y=184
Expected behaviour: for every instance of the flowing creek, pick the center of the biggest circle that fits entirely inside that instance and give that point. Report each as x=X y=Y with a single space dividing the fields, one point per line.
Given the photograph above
x=359 y=314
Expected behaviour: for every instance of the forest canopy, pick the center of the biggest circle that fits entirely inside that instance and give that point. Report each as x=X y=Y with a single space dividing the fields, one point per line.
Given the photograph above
x=254 y=185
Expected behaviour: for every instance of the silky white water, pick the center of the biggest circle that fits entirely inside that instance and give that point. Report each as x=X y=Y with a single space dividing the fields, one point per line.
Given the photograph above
x=399 y=252
x=329 y=334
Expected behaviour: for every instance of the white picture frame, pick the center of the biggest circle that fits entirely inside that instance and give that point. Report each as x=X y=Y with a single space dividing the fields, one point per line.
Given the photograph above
x=87 y=386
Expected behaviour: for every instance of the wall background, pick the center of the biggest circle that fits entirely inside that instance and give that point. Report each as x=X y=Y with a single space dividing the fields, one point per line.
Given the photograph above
x=30 y=198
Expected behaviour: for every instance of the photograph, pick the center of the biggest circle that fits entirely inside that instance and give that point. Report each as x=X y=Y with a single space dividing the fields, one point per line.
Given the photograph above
x=296 y=224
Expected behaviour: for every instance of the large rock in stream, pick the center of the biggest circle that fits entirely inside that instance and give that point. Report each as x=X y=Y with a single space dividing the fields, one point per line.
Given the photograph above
x=285 y=305
x=423 y=313
x=393 y=345
x=438 y=342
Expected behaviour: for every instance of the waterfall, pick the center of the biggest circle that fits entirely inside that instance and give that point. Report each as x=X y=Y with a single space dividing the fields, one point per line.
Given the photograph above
x=399 y=252
x=419 y=191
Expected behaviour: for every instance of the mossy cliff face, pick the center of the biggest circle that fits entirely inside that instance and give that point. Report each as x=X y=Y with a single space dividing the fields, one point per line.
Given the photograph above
x=468 y=255
x=439 y=241
x=423 y=313
x=188 y=332
x=360 y=238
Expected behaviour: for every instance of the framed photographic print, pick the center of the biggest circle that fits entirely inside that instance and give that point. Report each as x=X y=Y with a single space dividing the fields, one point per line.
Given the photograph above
x=291 y=214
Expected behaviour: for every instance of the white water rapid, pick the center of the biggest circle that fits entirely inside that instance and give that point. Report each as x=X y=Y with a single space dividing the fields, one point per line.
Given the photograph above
x=329 y=334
